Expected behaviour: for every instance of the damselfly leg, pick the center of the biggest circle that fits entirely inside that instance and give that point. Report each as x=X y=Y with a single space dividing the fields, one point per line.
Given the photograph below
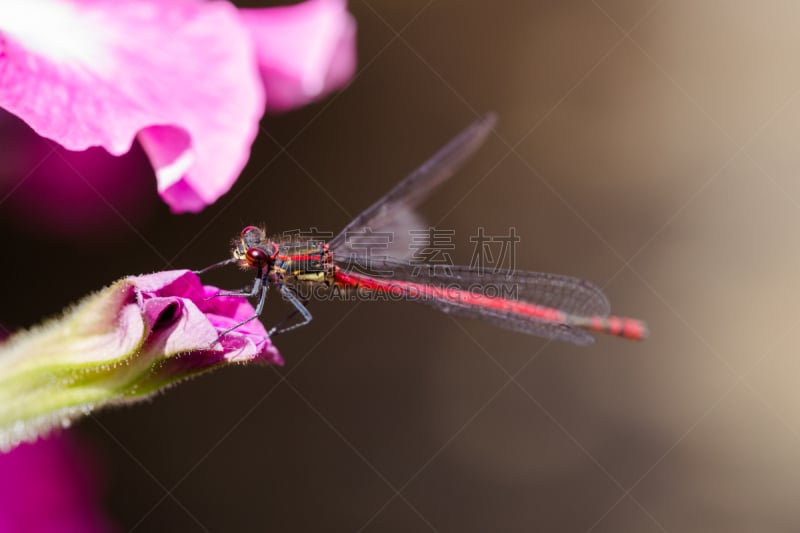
x=215 y=266
x=299 y=307
x=263 y=287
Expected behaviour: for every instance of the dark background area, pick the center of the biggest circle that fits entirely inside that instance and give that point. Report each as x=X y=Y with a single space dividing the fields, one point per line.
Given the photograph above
x=654 y=153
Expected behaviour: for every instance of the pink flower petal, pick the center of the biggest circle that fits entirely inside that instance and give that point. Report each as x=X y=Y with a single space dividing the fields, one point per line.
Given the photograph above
x=304 y=51
x=179 y=73
x=198 y=320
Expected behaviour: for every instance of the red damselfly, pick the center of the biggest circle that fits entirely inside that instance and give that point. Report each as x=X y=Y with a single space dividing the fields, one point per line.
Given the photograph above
x=548 y=305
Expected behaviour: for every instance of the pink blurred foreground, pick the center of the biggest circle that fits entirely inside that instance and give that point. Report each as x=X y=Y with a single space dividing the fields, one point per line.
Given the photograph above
x=50 y=486
x=189 y=79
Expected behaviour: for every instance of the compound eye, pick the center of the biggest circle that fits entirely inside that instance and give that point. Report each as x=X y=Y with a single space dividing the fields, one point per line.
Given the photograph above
x=256 y=257
x=248 y=229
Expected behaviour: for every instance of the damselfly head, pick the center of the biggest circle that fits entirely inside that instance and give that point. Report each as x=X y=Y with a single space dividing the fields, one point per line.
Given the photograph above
x=252 y=235
x=252 y=249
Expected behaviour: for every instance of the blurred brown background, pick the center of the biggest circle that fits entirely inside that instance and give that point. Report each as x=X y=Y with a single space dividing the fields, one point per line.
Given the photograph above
x=654 y=152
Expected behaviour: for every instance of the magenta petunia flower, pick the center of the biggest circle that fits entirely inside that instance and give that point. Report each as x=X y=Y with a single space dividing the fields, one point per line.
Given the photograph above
x=51 y=486
x=125 y=343
x=186 y=78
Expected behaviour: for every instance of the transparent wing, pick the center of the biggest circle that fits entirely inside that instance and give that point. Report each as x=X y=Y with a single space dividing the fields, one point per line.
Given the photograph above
x=394 y=210
x=461 y=284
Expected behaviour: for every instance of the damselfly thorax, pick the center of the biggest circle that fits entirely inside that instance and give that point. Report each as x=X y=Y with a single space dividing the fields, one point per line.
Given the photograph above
x=285 y=260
